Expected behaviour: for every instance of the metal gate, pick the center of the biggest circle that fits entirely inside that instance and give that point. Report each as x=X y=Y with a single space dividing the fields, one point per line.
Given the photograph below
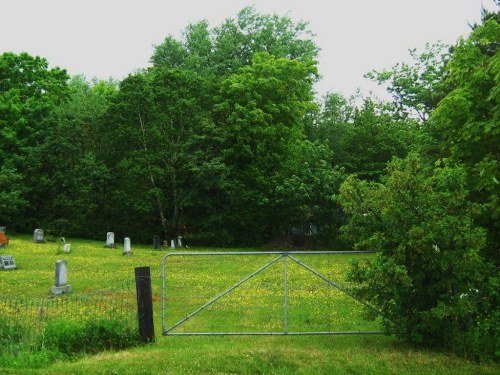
x=185 y=302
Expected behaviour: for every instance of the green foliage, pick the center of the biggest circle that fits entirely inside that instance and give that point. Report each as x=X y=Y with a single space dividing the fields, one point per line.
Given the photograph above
x=465 y=123
x=417 y=88
x=260 y=110
x=429 y=281
x=70 y=337
x=12 y=333
x=225 y=49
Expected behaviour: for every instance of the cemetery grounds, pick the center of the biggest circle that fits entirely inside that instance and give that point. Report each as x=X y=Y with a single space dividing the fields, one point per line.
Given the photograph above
x=103 y=286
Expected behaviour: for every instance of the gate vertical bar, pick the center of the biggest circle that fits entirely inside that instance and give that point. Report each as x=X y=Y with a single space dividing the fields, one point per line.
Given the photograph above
x=285 y=302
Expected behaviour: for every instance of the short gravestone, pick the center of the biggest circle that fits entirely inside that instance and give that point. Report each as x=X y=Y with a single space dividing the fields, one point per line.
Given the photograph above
x=7 y=262
x=38 y=236
x=4 y=240
x=61 y=281
x=67 y=248
x=156 y=242
x=127 y=249
x=172 y=244
x=110 y=239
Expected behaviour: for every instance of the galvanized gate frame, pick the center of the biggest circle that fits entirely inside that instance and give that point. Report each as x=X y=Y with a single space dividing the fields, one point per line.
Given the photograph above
x=285 y=255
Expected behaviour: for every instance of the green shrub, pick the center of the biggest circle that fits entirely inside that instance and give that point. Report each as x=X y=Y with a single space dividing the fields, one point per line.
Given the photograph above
x=429 y=280
x=69 y=337
x=65 y=336
x=106 y=334
x=13 y=335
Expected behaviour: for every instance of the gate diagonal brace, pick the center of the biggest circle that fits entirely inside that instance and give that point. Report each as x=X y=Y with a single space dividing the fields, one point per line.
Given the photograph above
x=332 y=283
x=215 y=299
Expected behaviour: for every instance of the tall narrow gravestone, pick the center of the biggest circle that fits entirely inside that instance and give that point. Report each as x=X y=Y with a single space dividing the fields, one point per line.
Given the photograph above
x=61 y=281
x=110 y=239
x=38 y=236
x=127 y=249
x=156 y=242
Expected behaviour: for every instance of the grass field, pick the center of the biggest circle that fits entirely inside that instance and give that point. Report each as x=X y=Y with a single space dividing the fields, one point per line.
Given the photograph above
x=256 y=305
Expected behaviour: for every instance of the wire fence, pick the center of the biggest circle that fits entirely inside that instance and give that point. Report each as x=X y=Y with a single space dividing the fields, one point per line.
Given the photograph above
x=23 y=320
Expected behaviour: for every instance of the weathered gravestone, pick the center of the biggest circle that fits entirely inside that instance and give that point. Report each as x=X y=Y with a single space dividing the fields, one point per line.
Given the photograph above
x=61 y=281
x=67 y=248
x=127 y=249
x=179 y=241
x=38 y=236
x=172 y=244
x=156 y=242
x=110 y=239
x=7 y=262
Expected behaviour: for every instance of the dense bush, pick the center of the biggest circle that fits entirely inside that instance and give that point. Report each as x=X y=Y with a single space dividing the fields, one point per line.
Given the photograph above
x=429 y=280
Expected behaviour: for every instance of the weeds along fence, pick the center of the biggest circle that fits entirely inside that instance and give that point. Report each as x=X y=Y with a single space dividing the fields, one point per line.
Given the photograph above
x=24 y=320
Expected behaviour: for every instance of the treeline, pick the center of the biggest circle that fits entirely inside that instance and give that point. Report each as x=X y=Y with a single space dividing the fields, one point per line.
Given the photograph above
x=222 y=135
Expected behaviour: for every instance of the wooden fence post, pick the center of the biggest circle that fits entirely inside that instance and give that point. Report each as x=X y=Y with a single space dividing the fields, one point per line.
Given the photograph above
x=145 y=303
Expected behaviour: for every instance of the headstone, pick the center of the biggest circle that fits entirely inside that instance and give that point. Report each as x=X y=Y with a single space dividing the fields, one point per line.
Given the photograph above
x=7 y=262
x=127 y=249
x=38 y=236
x=3 y=229
x=110 y=239
x=172 y=244
x=179 y=241
x=67 y=248
x=156 y=242
x=61 y=282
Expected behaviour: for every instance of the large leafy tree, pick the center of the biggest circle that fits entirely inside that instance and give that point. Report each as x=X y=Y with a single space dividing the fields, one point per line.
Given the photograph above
x=417 y=88
x=29 y=92
x=362 y=139
x=72 y=185
x=159 y=114
x=223 y=50
x=434 y=220
x=261 y=109
x=465 y=123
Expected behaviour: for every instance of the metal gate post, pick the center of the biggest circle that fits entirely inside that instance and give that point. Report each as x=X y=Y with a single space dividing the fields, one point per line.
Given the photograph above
x=285 y=292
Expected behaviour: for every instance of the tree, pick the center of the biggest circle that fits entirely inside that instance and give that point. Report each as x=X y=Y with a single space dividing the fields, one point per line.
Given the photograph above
x=29 y=93
x=223 y=50
x=159 y=114
x=428 y=280
x=362 y=140
x=417 y=88
x=260 y=110
x=71 y=184
x=465 y=123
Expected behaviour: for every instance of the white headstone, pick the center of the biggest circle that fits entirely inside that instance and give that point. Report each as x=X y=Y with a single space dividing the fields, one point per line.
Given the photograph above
x=172 y=244
x=38 y=236
x=110 y=239
x=179 y=241
x=67 y=248
x=127 y=249
x=61 y=281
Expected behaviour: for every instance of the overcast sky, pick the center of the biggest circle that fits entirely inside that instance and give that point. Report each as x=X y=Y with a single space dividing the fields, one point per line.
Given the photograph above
x=112 y=38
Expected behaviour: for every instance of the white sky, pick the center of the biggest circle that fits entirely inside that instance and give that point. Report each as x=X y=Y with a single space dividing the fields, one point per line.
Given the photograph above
x=112 y=38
